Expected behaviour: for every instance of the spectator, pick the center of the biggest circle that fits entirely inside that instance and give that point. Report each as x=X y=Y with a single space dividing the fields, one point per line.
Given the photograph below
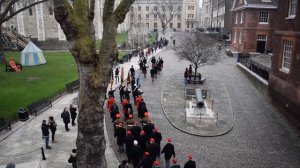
x=65 y=115
x=73 y=114
x=73 y=158
x=186 y=75
x=117 y=75
x=10 y=165
x=45 y=132
x=52 y=127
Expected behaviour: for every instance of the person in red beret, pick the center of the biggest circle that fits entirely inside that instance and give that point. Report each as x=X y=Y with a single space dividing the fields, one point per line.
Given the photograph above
x=120 y=133
x=169 y=151
x=156 y=164
x=142 y=139
x=190 y=163
x=129 y=144
x=147 y=162
x=175 y=165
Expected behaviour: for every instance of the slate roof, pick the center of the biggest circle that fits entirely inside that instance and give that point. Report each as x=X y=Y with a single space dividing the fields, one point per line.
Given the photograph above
x=263 y=4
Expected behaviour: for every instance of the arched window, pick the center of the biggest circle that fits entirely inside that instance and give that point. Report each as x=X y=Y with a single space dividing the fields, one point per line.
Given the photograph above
x=30 y=11
x=50 y=11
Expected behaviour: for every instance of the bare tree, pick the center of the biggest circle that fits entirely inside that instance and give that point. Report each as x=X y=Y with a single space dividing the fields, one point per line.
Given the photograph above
x=199 y=49
x=94 y=68
x=166 y=10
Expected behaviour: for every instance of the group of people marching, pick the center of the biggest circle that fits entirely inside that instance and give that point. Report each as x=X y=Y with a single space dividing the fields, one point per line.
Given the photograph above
x=136 y=135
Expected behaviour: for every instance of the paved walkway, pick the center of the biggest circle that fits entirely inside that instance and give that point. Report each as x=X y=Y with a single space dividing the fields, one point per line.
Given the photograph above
x=260 y=136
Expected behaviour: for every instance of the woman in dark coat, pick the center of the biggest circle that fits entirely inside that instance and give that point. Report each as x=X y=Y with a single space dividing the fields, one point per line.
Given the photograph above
x=73 y=114
x=52 y=127
x=65 y=115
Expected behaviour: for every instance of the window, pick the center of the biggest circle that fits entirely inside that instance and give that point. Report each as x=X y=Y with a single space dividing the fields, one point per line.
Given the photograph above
x=287 y=55
x=155 y=8
x=190 y=15
x=292 y=8
x=190 y=7
x=236 y=18
x=155 y=16
x=140 y=16
x=131 y=16
x=261 y=38
x=147 y=16
x=171 y=25
x=178 y=17
x=50 y=11
x=147 y=8
x=242 y=15
x=147 y=24
x=235 y=37
x=263 y=17
x=155 y=25
x=139 y=8
x=188 y=25
x=192 y=25
x=30 y=12
x=179 y=8
x=178 y=25
x=240 y=37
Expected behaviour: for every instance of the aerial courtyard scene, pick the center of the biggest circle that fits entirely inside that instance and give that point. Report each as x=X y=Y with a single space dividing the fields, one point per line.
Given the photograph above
x=150 y=84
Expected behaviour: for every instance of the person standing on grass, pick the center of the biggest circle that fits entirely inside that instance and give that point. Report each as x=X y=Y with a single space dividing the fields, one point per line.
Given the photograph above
x=45 y=132
x=52 y=126
x=65 y=115
x=73 y=114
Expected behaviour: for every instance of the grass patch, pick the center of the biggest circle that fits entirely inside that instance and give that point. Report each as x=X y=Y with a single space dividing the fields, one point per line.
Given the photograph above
x=121 y=39
x=32 y=83
x=151 y=38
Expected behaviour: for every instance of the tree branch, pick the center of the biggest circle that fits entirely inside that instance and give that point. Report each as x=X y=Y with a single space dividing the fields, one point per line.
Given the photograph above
x=122 y=9
x=6 y=18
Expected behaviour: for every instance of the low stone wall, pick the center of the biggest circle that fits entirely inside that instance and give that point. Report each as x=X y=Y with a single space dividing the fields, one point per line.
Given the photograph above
x=52 y=44
x=258 y=82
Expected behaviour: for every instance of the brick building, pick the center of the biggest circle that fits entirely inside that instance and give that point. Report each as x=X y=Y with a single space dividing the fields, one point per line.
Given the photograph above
x=284 y=80
x=253 y=25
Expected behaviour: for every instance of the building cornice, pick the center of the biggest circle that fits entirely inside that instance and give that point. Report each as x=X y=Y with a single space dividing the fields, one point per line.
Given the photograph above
x=254 y=6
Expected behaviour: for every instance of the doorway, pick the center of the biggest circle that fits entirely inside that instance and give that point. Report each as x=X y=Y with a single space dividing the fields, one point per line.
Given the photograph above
x=261 y=43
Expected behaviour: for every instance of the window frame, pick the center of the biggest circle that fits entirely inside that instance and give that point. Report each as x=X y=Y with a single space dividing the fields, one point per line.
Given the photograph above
x=292 y=15
x=262 y=17
x=284 y=57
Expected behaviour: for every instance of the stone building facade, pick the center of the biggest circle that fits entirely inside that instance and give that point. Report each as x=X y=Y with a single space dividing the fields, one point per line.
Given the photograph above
x=253 y=25
x=284 y=80
x=39 y=24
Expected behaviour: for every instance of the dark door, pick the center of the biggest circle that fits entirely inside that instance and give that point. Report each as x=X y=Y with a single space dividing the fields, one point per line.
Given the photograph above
x=261 y=46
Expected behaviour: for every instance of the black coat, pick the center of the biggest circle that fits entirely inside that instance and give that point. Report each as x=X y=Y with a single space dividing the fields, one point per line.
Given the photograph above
x=190 y=164
x=148 y=128
x=136 y=130
x=142 y=142
x=120 y=133
x=153 y=150
x=175 y=166
x=73 y=112
x=168 y=150
x=52 y=126
x=65 y=115
x=157 y=137
x=129 y=143
x=147 y=162
x=45 y=129
x=136 y=155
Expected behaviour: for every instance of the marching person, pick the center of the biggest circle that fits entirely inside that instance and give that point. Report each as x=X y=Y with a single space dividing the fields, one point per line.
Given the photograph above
x=136 y=154
x=120 y=133
x=129 y=144
x=157 y=137
x=190 y=163
x=65 y=115
x=142 y=141
x=169 y=151
x=147 y=161
x=175 y=165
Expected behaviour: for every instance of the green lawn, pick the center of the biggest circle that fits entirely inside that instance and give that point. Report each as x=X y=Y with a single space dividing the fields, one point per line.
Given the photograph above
x=151 y=38
x=32 y=83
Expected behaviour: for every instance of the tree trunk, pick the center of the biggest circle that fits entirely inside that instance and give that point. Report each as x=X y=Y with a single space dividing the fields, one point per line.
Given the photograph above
x=196 y=68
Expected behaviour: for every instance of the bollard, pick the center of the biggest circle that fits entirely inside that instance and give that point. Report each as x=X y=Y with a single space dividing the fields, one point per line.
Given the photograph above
x=217 y=118
x=43 y=153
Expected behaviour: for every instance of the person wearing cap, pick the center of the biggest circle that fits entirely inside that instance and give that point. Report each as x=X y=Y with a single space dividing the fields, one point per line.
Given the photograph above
x=114 y=111
x=128 y=110
x=175 y=165
x=157 y=136
x=110 y=101
x=142 y=139
x=156 y=164
x=129 y=144
x=136 y=154
x=130 y=122
x=138 y=100
x=120 y=133
x=147 y=162
x=135 y=130
x=124 y=102
x=142 y=108
x=127 y=94
x=153 y=149
x=145 y=118
x=118 y=120
x=148 y=128
x=124 y=164
x=45 y=132
x=169 y=151
x=190 y=163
